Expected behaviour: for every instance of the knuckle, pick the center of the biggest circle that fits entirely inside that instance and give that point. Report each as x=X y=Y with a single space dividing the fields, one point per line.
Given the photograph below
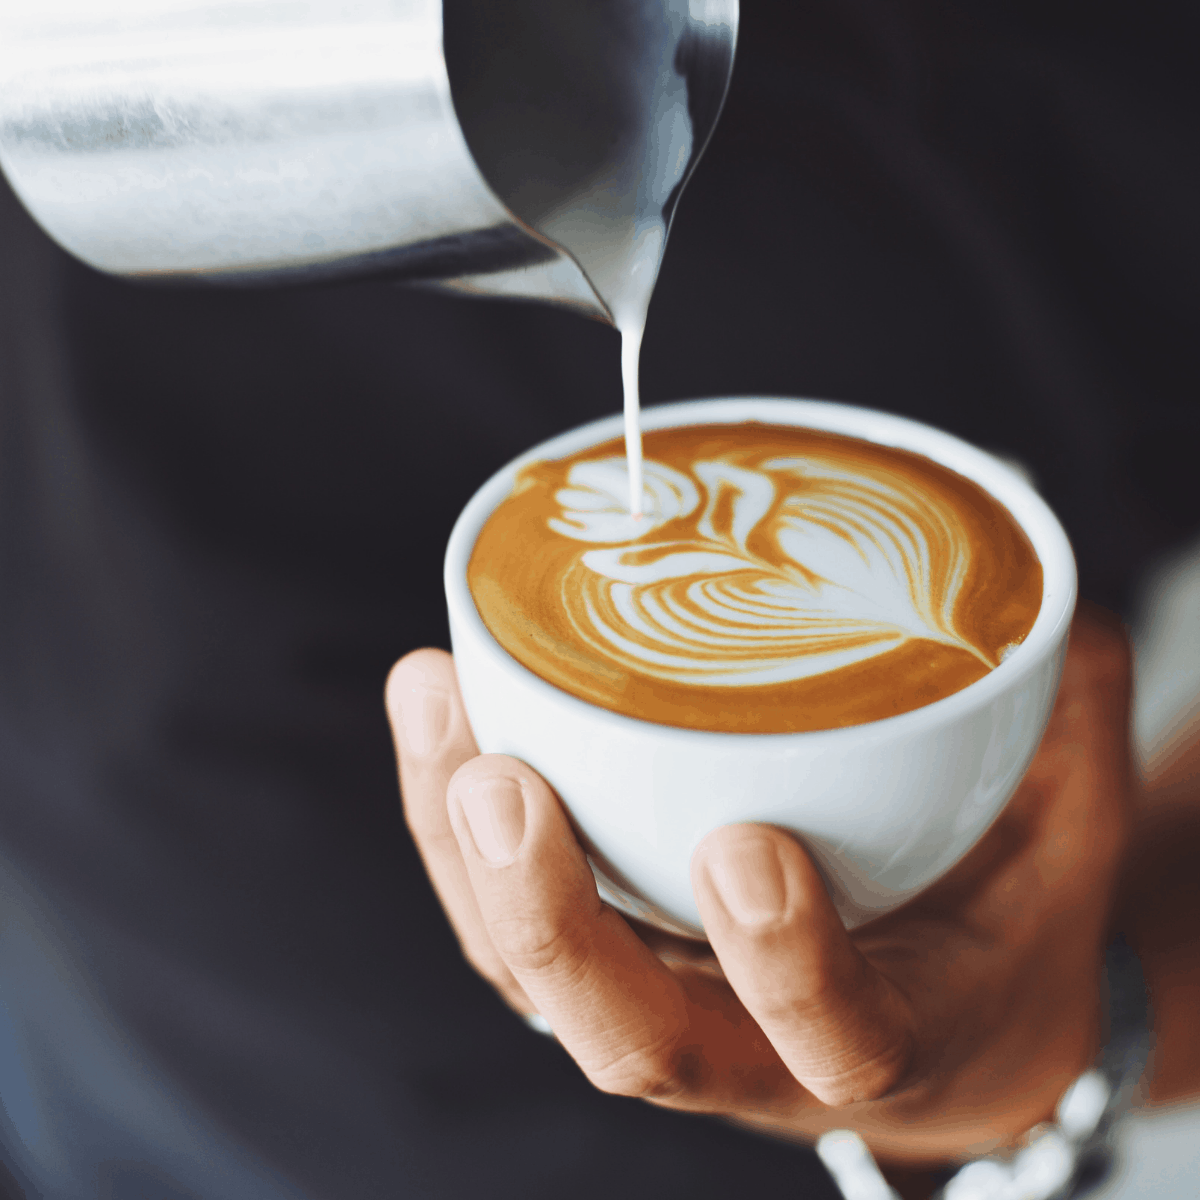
x=841 y=1052
x=862 y=1081
x=662 y=1072
x=537 y=946
x=816 y=1000
x=854 y=1061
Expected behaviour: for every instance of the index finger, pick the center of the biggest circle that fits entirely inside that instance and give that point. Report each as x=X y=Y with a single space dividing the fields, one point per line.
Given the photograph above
x=634 y=1027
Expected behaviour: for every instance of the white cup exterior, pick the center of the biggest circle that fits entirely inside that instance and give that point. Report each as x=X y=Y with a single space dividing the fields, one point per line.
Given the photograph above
x=885 y=808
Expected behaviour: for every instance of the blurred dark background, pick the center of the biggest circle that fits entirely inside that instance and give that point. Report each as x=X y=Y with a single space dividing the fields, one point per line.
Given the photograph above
x=222 y=516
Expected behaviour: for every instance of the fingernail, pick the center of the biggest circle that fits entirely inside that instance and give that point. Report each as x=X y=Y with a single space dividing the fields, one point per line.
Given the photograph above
x=424 y=719
x=748 y=878
x=495 y=812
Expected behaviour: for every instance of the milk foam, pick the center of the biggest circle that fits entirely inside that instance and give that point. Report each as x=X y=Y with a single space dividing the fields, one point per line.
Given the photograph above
x=785 y=571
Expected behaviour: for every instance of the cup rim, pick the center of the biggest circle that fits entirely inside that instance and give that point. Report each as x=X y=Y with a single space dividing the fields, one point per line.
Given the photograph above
x=1001 y=481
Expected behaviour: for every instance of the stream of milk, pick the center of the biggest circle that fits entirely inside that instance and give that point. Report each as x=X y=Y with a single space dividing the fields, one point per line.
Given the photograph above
x=627 y=287
x=617 y=230
x=631 y=349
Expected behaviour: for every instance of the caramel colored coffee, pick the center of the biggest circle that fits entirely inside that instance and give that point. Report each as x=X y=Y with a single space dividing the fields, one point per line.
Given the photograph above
x=780 y=579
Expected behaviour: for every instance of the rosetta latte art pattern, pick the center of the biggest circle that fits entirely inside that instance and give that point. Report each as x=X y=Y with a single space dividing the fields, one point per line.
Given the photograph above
x=779 y=579
x=773 y=573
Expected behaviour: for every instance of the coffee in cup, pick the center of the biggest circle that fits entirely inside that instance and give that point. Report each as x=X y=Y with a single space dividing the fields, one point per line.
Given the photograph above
x=884 y=803
x=778 y=579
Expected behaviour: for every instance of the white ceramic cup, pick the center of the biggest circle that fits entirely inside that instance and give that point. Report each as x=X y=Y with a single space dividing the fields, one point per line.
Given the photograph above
x=885 y=808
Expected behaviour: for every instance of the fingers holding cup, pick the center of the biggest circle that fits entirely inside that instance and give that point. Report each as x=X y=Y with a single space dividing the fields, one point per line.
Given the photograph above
x=633 y=1025
x=844 y=1031
x=601 y=990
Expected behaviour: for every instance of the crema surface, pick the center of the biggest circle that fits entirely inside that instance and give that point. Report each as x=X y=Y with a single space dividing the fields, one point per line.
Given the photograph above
x=779 y=580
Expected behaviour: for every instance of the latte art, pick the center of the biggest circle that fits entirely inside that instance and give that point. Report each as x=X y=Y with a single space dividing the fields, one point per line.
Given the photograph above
x=769 y=566
x=844 y=567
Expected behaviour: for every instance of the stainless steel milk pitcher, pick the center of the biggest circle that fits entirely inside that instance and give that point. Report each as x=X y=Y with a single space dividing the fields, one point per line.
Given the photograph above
x=485 y=145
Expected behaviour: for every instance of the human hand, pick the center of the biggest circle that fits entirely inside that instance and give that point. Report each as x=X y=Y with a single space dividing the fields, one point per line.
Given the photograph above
x=941 y=1030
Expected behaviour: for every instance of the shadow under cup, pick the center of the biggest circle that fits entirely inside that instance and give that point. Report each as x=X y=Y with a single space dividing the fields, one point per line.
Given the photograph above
x=885 y=808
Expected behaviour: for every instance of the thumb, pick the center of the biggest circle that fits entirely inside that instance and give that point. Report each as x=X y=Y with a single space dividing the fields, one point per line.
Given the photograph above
x=843 y=1030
